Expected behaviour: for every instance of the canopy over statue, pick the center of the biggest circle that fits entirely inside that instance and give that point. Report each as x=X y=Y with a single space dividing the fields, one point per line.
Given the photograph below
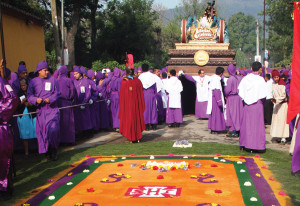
x=209 y=27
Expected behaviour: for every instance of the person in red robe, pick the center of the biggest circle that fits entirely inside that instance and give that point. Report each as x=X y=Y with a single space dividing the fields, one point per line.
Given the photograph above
x=132 y=107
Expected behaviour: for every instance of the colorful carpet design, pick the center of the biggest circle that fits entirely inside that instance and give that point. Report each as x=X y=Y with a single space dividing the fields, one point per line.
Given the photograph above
x=191 y=180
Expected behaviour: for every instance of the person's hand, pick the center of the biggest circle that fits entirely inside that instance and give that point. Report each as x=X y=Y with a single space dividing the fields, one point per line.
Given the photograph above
x=100 y=95
x=39 y=100
x=47 y=100
x=91 y=101
x=100 y=82
x=108 y=102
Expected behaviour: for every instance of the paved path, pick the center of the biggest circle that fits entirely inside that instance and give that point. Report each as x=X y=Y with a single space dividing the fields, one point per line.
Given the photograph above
x=192 y=129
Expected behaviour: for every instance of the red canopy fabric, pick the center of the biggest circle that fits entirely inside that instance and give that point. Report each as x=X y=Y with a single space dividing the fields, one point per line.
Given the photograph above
x=294 y=102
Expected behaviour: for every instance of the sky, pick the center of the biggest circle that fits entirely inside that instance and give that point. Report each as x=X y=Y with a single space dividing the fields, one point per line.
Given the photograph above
x=170 y=4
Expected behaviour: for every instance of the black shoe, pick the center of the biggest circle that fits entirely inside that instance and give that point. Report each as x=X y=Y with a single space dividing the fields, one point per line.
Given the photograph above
x=154 y=126
x=171 y=125
x=242 y=148
x=213 y=132
x=53 y=155
x=147 y=127
x=296 y=174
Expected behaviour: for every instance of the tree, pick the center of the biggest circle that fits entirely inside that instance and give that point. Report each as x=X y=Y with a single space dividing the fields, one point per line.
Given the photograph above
x=280 y=27
x=241 y=59
x=242 y=33
x=129 y=27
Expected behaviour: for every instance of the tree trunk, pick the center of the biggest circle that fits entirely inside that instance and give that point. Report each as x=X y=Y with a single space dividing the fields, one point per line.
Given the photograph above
x=55 y=28
x=93 y=8
x=72 y=33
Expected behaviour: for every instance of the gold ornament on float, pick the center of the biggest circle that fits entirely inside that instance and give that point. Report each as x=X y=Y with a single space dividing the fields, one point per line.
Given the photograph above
x=201 y=58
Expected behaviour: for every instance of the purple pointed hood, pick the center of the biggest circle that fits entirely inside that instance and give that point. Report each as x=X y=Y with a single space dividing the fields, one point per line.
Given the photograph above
x=40 y=66
x=90 y=73
x=231 y=69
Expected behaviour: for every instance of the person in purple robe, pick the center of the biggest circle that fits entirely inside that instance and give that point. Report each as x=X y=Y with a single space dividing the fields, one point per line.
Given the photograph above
x=158 y=96
x=243 y=73
x=94 y=107
x=202 y=84
x=43 y=93
x=83 y=72
x=13 y=77
x=66 y=98
x=22 y=74
x=83 y=95
x=8 y=104
x=216 y=103
x=253 y=91
x=149 y=89
x=174 y=88
x=104 y=112
x=139 y=71
x=234 y=104
x=115 y=86
x=296 y=155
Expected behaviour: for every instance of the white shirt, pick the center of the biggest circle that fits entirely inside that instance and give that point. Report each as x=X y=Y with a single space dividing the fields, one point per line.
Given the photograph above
x=174 y=87
x=269 y=89
x=252 y=88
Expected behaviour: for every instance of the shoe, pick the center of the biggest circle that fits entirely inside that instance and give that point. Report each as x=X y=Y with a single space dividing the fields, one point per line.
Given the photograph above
x=147 y=127
x=242 y=148
x=283 y=141
x=54 y=155
x=296 y=174
x=213 y=132
x=154 y=127
x=171 y=125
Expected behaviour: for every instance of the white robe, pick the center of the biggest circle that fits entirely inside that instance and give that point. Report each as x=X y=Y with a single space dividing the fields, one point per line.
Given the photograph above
x=148 y=79
x=202 y=88
x=174 y=88
x=215 y=83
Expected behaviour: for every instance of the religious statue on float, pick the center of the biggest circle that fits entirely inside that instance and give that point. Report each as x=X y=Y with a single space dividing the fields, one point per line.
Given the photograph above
x=209 y=27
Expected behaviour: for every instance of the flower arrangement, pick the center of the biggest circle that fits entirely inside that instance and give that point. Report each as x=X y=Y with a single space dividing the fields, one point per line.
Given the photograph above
x=165 y=166
x=182 y=144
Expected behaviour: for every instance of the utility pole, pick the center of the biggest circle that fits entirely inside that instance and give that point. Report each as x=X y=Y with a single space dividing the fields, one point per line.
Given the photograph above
x=55 y=28
x=62 y=32
x=2 y=44
x=257 y=37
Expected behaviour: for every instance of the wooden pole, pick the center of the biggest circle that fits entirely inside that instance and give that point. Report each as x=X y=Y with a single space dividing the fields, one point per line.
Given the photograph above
x=2 y=43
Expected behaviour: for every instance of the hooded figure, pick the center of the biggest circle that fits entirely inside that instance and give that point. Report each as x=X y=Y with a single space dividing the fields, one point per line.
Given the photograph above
x=8 y=104
x=83 y=95
x=43 y=93
x=94 y=107
x=115 y=86
x=103 y=97
x=66 y=98
x=234 y=107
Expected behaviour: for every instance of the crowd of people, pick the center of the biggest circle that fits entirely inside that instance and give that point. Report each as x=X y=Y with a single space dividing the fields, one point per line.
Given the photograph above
x=57 y=108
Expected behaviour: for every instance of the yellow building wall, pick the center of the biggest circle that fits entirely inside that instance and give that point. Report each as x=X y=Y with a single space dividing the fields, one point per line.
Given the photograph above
x=22 y=43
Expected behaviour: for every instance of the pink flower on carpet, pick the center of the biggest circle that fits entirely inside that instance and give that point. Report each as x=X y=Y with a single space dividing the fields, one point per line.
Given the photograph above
x=173 y=168
x=171 y=154
x=264 y=167
x=120 y=165
x=282 y=193
x=155 y=168
x=132 y=155
x=271 y=178
x=72 y=165
x=214 y=165
x=241 y=157
x=159 y=177
x=218 y=155
x=257 y=156
x=90 y=189
x=87 y=155
x=218 y=191
x=99 y=157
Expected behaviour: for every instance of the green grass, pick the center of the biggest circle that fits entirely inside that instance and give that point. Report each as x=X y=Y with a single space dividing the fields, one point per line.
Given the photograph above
x=35 y=172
